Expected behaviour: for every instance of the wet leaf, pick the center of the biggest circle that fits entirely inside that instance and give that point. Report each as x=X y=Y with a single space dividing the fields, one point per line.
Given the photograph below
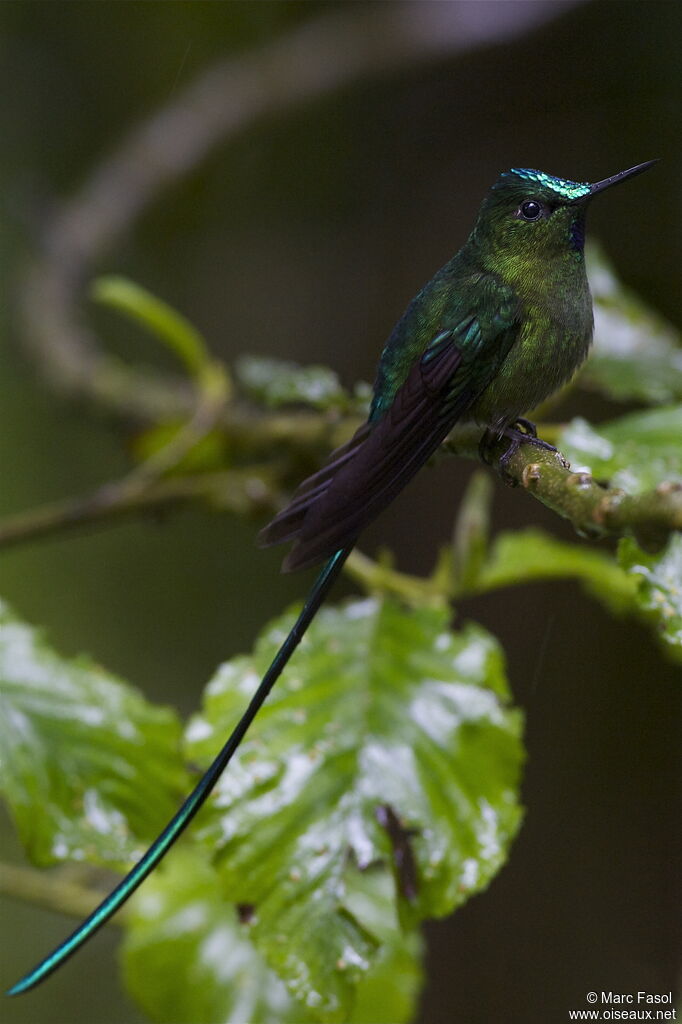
x=275 y=382
x=90 y=770
x=525 y=555
x=188 y=954
x=389 y=990
x=636 y=452
x=659 y=588
x=380 y=706
x=636 y=354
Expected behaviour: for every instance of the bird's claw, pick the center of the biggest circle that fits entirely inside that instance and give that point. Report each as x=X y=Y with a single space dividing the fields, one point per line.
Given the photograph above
x=521 y=431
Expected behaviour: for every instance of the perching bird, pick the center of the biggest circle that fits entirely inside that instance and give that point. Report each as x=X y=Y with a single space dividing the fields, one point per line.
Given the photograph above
x=499 y=328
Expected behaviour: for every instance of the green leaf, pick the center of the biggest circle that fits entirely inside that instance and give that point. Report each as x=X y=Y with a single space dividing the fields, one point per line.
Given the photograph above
x=188 y=957
x=659 y=588
x=380 y=708
x=389 y=990
x=636 y=452
x=169 y=326
x=524 y=555
x=90 y=770
x=636 y=353
x=275 y=382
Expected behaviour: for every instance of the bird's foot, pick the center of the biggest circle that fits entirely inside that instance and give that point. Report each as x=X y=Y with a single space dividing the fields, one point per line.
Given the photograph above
x=527 y=429
x=521 y=431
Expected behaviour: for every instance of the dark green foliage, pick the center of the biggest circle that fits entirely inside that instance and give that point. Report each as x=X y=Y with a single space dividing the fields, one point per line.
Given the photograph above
x=530 y=555
x=275 y=382
x=287 y=901
x=382 y=707
x=189 y=956
x=90 y=769
x=659 y=589
x=636 y=355
x=636 y=452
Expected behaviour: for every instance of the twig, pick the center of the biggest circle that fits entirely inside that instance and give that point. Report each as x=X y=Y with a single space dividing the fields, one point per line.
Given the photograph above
x=54 y=891
x=239 y=491
x=594 y=510
x=380 y=576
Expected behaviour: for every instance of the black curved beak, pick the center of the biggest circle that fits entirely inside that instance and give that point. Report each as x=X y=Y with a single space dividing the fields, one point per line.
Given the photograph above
x=615 y=179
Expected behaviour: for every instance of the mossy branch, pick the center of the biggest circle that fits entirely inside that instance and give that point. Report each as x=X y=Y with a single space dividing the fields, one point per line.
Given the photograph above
x=595 y=510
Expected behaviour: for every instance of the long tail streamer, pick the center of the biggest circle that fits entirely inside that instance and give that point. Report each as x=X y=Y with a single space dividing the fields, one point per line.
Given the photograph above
x=197 y=797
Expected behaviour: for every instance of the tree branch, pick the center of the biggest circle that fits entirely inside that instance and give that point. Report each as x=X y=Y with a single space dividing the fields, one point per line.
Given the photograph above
x=239 y=491
x=55 y=891
x=594 y=510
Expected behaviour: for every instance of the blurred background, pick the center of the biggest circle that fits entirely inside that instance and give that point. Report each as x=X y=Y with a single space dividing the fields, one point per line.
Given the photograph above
x=303 y=236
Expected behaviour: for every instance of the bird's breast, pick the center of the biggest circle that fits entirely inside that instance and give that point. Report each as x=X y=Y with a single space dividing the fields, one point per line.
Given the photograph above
x=553 y=341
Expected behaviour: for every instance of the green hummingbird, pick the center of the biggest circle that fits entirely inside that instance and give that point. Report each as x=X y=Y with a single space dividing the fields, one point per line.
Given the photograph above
x=498 y=329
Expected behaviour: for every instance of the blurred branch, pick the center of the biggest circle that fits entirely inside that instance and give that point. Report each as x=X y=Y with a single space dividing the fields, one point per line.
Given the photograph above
x=234 y=490
x=380 y=577
x=57 y=891
x=313 y=60
x=594 y=510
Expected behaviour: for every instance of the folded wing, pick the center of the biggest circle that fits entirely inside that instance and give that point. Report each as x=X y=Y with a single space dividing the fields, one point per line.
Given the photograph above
x=330 y=508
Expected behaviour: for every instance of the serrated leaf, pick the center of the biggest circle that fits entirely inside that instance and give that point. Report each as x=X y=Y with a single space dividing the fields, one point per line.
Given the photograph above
x=275 y=382
x=523 y=555
x=90 y=769
x=659 y=588
x=381 y=707
x=636 y=452
x=636 y=354
x=188 y=957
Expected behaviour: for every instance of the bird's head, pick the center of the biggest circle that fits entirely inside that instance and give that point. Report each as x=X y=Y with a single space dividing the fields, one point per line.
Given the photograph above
x=530 y=215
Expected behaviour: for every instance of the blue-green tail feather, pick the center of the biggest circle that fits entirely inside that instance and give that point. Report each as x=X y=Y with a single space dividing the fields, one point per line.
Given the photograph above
x=197 y=797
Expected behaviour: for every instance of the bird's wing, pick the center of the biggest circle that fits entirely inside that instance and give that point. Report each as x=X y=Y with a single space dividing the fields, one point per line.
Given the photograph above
x=330 y=508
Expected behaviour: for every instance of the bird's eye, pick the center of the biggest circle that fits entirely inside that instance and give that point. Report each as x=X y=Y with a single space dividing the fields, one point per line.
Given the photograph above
x=530 y=210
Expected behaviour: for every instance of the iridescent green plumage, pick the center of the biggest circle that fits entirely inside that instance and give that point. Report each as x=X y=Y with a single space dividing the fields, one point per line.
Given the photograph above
x=500 y=327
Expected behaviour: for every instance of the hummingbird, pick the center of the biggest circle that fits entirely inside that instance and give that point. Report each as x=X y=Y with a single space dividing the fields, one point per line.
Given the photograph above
x=499 y=328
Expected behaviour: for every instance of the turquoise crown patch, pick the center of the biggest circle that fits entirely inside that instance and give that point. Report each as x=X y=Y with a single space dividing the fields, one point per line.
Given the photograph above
x=566 y=189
